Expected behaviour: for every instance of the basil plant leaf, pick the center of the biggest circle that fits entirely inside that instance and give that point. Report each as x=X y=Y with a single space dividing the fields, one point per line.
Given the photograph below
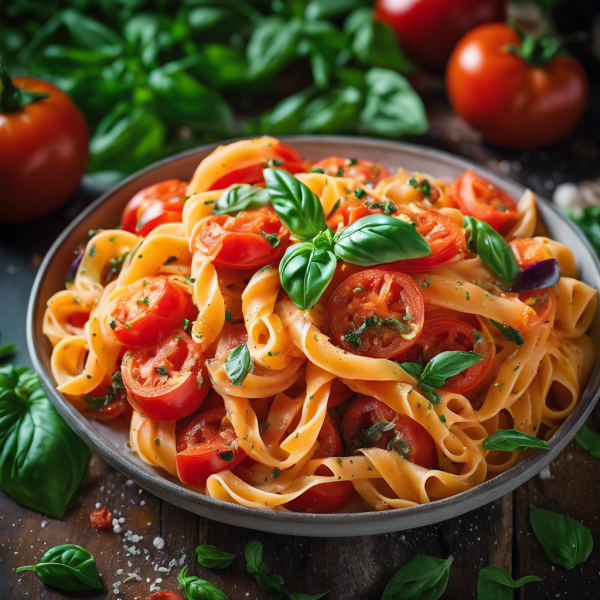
x=494 y=583
x=423 y=578
x=378 y=239
x=199 y=589
x=305 y=273
x=413 y=369
x=511 y=440
x=297 y=207
x=241 y=197
x=42 y=462
x=238 y=363
x=492 y=249
x=67 y=567
x=565 y=541
x=589 y=440
x=447 y=364
x=213 y=558
x=510 y=333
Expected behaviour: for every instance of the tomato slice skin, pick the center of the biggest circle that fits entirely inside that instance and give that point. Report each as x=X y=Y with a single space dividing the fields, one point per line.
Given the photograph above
x=339 y=393
x=366 y=411
x=151 y=313
x=542 y=301
x=237 y=242
x=382 y=293
x=364 y=171
x=324 y=497
x=201 y=444
x=172 y=396
x=485 y=201
x=528 y=251
x=445 y=334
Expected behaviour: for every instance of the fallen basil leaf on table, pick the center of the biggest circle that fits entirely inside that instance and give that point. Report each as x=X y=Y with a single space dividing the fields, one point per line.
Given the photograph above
x=238 y=363
x=241 y=197
x=423 y=578
x=494 y=583
x=589 y=440
x=67 y=567
x=565 y=541
x=195 y=588
x=213 y=558
x=42 y=461
x=7 y=350
x=512 y=440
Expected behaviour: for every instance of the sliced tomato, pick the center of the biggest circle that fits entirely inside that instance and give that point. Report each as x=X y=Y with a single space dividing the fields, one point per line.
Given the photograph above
x=444 y=335
x=151 y=313
x=154 y=205
x=369 y=423
x=339 y=393
x=542 y=301
x=78 y=319
x=444 y=237
x=528 y=251
x=364 y=171
x=101 y=518
x=249 y=240
x=377 y=313
x=481 y=199
x=206 y=444
x=166 y=381
x=324 y=497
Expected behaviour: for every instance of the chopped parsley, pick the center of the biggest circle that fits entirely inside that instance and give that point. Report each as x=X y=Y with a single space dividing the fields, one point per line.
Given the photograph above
x=353 y=336
x=423 y=186
x=162 y=370
x=272 y=238
x=317 y=170
x=93 y=251
x=170 y=260
x=276 y=472
x=359 y=193
x=144 y=301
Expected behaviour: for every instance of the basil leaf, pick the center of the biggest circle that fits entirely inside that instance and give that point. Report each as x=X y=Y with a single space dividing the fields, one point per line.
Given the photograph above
x=510 y=333
x=295 y=204
x=305 y=273
x=42 y=462
x=238 y=363
x=423 y=578
x=589 y=440
x=565 y=541
x=413 y=369
x=511 y=440
x=7 y=350
x=492 y=248
x=241 y=197
x=67 y=567
x=494 y=583
x=195 y=588
x=213 y=558
x=326 y=9
x=378 y=239
x=447 y=364
x=588 y=220
x=334 y=111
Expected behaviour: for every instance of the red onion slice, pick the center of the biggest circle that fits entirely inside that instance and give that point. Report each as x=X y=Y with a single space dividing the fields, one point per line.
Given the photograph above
x=540 y=274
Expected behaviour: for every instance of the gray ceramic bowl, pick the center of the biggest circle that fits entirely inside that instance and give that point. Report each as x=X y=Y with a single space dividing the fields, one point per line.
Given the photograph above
x=111 y=443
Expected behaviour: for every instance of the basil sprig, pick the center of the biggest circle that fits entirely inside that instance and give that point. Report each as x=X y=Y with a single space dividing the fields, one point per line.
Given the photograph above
x=272 y=584
x=67 y=567
x=589 y=440
x=494 y=583
x=306 y=269
x=213 y=558
x=423 y=578
x=435 y=373
x=241 y=197
x=492 y=249
x=238 y=363
x=510 y=333
x=511 y=440
x=195 y=588
x=565 y=541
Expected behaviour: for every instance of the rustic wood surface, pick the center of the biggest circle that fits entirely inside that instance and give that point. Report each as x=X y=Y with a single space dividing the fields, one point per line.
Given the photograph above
x=351 y=568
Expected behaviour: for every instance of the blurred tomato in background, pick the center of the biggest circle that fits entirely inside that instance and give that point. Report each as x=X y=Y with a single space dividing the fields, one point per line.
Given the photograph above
x=428 y=30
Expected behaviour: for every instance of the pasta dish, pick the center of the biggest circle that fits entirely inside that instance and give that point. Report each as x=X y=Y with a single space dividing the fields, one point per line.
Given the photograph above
x=324 y=336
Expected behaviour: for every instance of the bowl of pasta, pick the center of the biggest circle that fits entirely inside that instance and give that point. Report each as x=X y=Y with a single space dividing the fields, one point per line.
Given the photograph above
x=321 y=336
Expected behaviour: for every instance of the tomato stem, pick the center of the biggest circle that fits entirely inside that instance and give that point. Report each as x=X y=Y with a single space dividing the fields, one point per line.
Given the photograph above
x=13 y=98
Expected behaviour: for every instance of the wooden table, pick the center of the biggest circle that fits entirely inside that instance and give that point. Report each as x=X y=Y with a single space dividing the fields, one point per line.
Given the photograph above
x=351 y=568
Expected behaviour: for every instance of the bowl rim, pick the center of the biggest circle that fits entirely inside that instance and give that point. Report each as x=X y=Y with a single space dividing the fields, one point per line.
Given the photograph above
x=321 y=525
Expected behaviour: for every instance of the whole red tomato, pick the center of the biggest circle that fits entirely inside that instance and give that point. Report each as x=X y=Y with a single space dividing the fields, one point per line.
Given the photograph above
x=513 y=89
x=43 y=148
x=428 y=29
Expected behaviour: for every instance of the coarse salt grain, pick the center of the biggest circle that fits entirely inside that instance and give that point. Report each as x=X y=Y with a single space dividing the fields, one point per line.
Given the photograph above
x=158 y=543
x=44 y=523
x=545 y=473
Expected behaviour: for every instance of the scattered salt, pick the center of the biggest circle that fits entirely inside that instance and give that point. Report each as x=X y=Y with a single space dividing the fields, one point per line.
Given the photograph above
x=545 y=473
x=159 y=543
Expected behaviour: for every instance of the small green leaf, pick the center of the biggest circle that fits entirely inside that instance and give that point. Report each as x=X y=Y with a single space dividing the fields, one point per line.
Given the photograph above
x=241 y=197
x=272 y=238
x=7 y=350
x=238 y=363
x=213 y=558
x=510 y=333
x=423 y=578
x=199 y=589
x=494 y=583
x=162 y=370
x=512 y=440
x=589 y=440
x=227 y=455
x=448 y=364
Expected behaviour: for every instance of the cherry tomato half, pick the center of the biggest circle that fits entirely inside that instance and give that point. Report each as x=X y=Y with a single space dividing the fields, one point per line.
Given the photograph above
x=444 y=335
x=528 y=251
x=154 y=205
x=364 y=171
x=249 y=240
x=515 y=93
x=377 y=313
x=480 y=198
x=542 y=301
x=151 y=313
x=410 y=439
x=101 y=518
x=206 y=444
x=166 y=381
x=325 y=497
